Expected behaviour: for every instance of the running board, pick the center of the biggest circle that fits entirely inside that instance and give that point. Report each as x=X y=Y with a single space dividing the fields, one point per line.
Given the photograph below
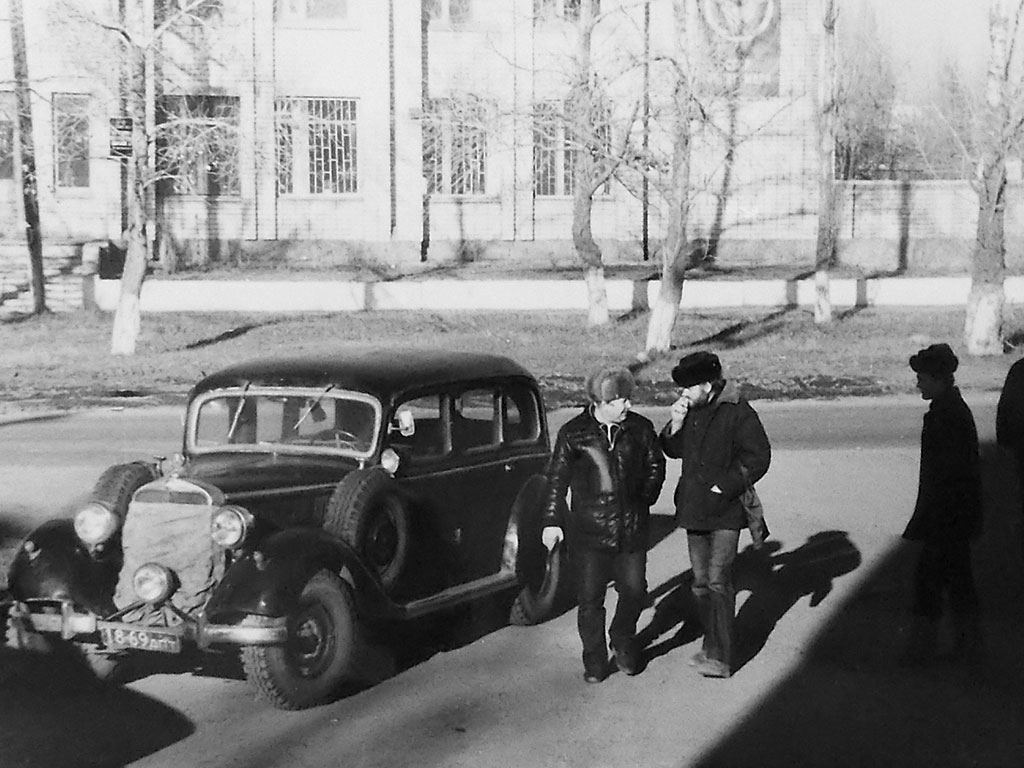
x=459 y=594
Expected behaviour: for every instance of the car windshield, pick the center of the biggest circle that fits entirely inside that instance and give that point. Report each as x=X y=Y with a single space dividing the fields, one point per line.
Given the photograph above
x=297 y=420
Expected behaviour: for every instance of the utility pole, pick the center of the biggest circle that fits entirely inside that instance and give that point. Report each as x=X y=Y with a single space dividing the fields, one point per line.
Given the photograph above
x=27 y=157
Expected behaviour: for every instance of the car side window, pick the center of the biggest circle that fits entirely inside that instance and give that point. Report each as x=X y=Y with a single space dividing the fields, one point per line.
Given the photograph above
x=473 y=420
x=519 y=416
x=428 y=437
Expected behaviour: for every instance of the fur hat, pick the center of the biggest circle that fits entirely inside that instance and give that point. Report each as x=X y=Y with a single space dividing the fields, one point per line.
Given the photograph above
x=936 y=360
x=609 y=384
x=697 y=368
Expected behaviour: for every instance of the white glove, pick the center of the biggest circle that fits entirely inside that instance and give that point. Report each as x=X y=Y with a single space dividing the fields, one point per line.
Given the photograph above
x=551 y=535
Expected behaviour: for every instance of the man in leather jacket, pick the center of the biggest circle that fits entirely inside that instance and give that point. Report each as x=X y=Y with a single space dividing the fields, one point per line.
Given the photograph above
x=609 y=460
x=723 y=450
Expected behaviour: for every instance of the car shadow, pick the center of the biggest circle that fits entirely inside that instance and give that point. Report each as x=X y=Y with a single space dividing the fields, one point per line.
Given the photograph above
x=775 y=580
x=849 y=702
x=56 y=717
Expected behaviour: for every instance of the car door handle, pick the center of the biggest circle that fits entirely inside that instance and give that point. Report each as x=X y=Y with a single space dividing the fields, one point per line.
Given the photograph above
x=508 y=467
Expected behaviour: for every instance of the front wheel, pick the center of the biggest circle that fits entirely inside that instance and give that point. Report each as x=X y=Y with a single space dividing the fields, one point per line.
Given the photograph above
x=317 y=658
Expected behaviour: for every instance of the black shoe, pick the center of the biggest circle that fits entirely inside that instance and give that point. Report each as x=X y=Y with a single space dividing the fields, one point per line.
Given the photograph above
x=595 y=676
x=626 y=661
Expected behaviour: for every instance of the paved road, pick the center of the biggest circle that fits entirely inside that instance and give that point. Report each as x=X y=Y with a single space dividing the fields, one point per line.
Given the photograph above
x=820 y=621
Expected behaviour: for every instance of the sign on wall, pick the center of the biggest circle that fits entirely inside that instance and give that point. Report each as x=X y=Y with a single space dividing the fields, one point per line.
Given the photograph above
x=120 y=137
x=748 y=30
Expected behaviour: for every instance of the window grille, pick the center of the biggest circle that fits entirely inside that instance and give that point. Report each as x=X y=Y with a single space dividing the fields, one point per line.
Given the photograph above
x=455 y=146
x=545 y=149
x=197 y=145
x=71 y=139
x=332 y=145
x=316 y=146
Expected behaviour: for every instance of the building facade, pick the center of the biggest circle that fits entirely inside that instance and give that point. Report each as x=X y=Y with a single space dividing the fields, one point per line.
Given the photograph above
x=334 y=130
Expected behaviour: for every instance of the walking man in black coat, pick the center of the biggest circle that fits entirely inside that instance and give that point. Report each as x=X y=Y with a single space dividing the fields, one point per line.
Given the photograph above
x=723 y=450
x=1010 y=425
x=608 y=459
x=947 y=514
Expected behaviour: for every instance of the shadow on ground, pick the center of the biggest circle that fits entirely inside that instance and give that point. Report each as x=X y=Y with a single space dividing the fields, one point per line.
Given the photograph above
x=775 y=581
x=54 y=717
x=850 y=704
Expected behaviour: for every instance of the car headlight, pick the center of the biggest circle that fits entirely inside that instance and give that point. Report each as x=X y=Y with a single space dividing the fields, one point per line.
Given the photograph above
x=230 y=526
x=95 y=523
x=152 y=582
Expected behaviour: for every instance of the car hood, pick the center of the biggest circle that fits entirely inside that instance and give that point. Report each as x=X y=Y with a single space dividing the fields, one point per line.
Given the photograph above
x=236 y=474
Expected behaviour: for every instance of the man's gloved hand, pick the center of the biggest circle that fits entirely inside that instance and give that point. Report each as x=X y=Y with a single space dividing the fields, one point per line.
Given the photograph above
x=551 y=535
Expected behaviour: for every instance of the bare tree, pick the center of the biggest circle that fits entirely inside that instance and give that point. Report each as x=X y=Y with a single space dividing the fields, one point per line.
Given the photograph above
x=26 y=157
x=178 y=144
x=696 y=93
x=1000 y=133
x=588 y=126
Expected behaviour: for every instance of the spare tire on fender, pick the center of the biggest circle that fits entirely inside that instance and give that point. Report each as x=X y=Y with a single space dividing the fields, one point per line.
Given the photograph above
x=367 y=512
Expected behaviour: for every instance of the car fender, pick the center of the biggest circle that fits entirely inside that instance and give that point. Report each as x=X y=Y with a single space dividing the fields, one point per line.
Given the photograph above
x=52 y=564
x=269 y=580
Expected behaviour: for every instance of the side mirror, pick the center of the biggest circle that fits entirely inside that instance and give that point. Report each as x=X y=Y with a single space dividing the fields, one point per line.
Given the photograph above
x=403 y=423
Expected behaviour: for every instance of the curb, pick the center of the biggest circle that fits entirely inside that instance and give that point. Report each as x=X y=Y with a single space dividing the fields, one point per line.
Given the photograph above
x=528 y=295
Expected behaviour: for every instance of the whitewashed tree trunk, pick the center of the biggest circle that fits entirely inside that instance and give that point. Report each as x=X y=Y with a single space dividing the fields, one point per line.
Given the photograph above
x=825 y=248
x=984 y=321
x=822 y=296
x=663 y=317
x=128 y=316
x=597 y=296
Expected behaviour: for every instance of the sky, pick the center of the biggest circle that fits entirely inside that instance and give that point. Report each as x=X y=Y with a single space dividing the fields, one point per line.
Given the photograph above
x=920 y=32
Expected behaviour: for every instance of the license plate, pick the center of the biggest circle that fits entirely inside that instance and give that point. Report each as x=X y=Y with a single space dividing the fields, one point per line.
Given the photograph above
x=122 y=638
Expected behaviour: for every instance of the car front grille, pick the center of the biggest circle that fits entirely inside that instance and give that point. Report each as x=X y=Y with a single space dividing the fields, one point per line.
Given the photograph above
x=176 y=536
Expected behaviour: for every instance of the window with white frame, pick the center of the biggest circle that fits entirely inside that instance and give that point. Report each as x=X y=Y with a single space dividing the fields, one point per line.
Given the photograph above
x=454 y=12
x=455 y=146
x=197 y=144
x=7 y=117
x=313 y=10
x=557 y=143
x=562 y=9
x=71 y=139
x=316 y=146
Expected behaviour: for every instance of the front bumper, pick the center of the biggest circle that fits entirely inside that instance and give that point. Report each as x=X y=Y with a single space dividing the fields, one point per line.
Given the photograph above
x=59 y=617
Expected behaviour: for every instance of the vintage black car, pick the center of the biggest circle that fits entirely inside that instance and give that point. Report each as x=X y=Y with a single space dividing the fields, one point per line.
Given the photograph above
x=317 y=502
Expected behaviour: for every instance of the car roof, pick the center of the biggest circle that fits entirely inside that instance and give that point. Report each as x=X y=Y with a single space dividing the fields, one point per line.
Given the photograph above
x=379 y=370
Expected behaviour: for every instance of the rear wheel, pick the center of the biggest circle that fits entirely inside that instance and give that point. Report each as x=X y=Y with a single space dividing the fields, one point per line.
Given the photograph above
x=317 y=658
x=538 y=600
x=543 y=574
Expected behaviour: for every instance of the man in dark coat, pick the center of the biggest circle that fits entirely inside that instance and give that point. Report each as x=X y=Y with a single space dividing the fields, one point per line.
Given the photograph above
x=608 y=458
x=1010 y=423
x=723 y=449
x=947 y=514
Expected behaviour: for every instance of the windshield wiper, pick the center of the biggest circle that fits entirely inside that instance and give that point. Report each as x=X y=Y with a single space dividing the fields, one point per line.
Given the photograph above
x=238 y=410
x=312 y=405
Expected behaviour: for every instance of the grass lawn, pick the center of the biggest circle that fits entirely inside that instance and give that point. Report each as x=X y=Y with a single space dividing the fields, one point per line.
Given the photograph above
x=62 y=360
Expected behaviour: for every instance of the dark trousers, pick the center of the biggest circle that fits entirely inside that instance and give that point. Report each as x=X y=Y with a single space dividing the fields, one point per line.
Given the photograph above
x=711 y=556
x=594 y=569
x=941 y=569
